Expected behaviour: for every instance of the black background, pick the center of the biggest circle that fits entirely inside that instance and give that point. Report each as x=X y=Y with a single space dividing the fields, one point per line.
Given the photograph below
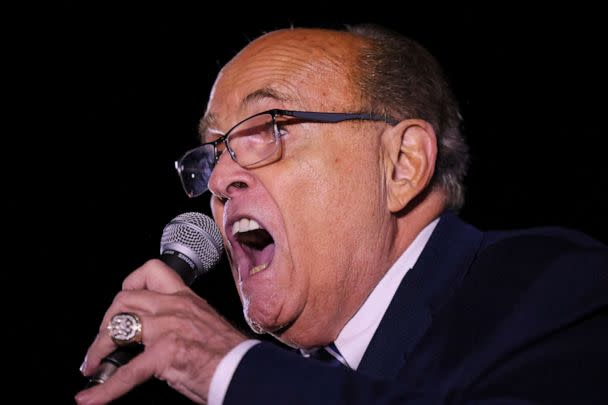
x=106 y=96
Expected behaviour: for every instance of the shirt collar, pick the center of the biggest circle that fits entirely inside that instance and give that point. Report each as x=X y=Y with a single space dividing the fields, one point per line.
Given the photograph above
x=356 y=335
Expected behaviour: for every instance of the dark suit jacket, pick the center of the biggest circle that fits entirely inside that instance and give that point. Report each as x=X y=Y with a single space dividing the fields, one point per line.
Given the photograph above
x=483 y=317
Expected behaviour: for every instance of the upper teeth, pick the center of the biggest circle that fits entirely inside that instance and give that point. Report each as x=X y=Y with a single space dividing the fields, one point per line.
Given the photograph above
x=244 y=225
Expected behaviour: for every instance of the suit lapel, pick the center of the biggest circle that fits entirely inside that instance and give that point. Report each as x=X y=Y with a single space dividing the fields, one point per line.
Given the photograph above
x=437 y=272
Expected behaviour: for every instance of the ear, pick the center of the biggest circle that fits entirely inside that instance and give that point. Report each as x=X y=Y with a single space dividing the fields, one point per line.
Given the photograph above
x=410 y=150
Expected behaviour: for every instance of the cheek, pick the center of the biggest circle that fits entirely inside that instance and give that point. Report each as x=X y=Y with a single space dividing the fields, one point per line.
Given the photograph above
x=329 y=179
x=325 y=198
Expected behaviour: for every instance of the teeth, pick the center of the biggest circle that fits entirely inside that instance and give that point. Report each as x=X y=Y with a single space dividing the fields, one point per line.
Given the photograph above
x=258 y=268
x=244 y=225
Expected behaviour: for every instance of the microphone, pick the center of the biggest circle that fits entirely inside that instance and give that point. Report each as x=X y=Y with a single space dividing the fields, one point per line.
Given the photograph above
x=191 y=244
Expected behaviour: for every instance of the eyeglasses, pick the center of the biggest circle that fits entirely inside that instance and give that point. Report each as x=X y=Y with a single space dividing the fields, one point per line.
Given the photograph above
x=253 y=142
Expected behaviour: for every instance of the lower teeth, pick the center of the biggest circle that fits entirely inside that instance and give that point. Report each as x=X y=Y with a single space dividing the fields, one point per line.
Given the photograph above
x=258 y=268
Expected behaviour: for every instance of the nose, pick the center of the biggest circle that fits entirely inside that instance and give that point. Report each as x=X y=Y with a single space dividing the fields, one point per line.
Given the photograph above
x=228 y=178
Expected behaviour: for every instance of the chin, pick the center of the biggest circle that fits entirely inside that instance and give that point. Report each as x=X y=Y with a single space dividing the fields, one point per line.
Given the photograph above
x=288 y=332
x=266 y=315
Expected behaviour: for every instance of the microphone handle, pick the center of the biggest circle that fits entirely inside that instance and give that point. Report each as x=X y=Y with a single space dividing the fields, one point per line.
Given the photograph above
x=183 y=266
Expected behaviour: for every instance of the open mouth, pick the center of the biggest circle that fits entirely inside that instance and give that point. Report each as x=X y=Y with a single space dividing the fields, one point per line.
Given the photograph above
x=255 y=246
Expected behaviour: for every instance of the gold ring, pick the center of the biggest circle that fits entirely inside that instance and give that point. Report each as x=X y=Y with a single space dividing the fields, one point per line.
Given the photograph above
x=125 y=328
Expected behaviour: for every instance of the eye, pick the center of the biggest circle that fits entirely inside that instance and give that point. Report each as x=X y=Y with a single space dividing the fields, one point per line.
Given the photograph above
x=285 y=124
x=282 y=129
x=219 y=149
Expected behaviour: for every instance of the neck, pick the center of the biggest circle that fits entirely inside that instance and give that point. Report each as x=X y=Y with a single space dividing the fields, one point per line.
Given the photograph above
x=401 y=231
x=408 y=225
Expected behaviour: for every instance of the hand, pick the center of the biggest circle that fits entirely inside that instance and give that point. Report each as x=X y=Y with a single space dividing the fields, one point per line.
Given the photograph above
x=184 y=337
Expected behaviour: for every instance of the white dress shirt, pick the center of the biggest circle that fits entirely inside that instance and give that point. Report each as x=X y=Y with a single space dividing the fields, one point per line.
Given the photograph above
x=356 y=335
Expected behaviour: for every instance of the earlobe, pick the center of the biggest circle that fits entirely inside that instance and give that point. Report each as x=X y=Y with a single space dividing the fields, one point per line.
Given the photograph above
x=410 y=151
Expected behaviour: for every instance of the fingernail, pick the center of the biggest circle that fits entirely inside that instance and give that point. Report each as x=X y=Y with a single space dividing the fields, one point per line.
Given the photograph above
x=83 y=366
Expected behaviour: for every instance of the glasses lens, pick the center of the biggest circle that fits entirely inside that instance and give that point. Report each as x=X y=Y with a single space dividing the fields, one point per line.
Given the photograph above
x=195 y=169
x=253 y=142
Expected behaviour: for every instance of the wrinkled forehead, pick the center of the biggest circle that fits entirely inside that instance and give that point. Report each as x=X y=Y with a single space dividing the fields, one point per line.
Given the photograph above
x=312 y=70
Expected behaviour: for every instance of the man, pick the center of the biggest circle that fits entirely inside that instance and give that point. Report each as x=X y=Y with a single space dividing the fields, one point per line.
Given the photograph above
x=339 y=165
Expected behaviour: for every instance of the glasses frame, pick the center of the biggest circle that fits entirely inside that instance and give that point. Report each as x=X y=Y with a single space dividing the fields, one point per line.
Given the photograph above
x=308 y=116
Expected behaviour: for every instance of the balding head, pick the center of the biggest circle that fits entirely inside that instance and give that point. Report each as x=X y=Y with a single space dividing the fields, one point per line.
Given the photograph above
x=337 y=47
x=316 y=69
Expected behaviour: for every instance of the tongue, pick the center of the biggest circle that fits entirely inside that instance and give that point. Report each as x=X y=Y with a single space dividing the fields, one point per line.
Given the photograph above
x=258 y=245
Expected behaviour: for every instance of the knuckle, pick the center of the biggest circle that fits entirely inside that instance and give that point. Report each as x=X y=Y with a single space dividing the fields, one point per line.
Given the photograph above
x=185 y=304
x=120 y=297
x=151 y=265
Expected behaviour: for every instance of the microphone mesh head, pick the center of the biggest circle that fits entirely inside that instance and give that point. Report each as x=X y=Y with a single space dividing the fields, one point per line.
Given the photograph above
x=194 y=233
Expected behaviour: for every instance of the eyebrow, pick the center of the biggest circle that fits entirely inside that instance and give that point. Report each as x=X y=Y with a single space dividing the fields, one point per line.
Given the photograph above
x=210 y=119
x=264 y=92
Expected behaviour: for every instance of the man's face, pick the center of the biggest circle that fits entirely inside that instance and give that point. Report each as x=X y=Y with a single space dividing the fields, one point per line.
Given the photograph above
x=322 y=203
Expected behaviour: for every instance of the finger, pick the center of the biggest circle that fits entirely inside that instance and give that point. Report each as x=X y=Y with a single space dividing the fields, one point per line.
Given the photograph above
x=152 y=327
x=152 y=309
x=100 y=348
x=138 y=370
x=141 y=303
x=154 y=275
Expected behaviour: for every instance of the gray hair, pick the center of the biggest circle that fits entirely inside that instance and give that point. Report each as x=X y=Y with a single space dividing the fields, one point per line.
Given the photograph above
x=399 y=78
